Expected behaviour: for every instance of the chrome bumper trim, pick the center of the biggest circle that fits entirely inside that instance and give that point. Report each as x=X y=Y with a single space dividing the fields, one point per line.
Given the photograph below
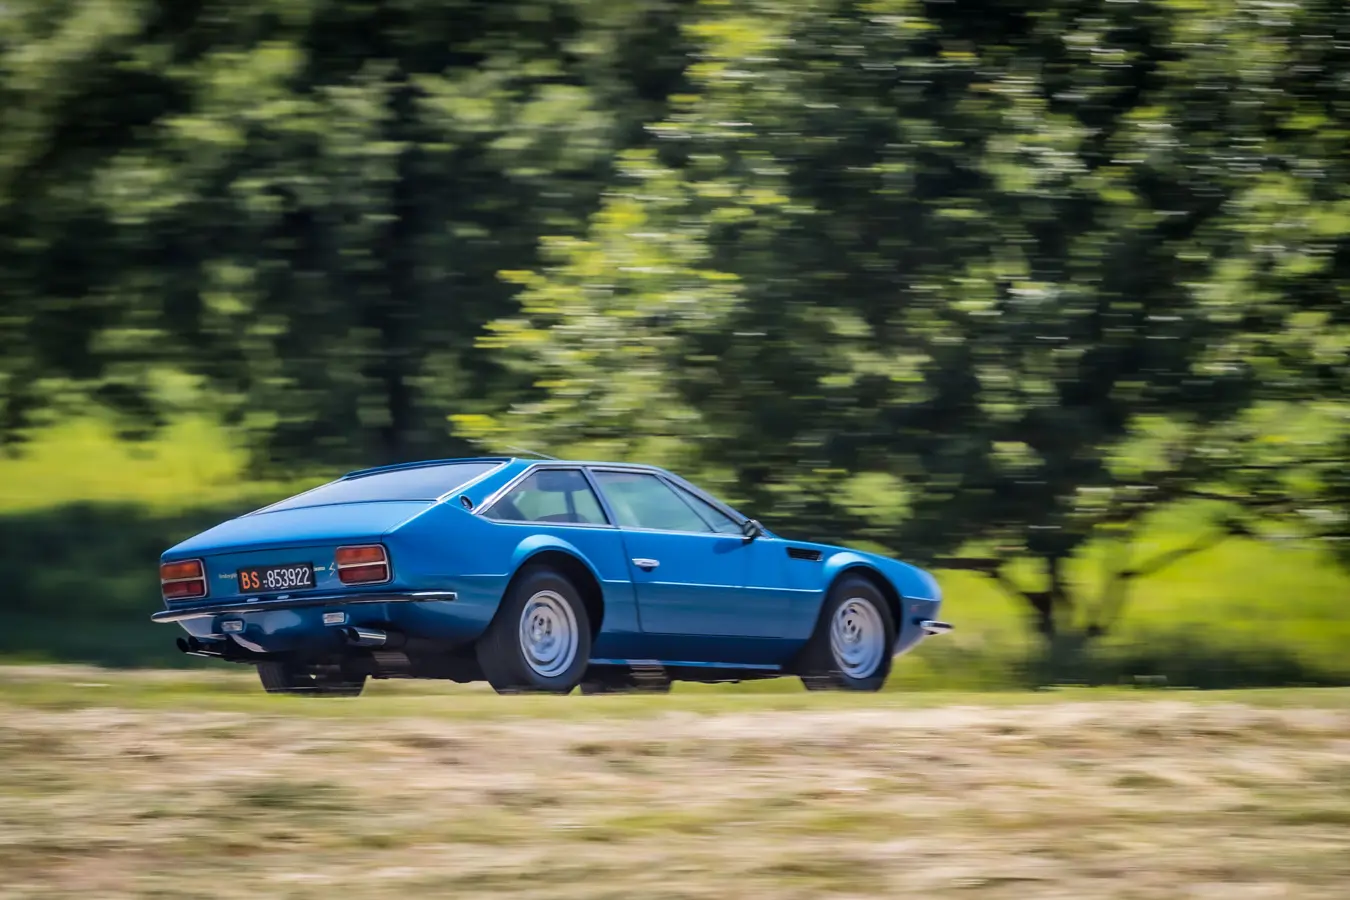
x=933 y=626
x=182 y=614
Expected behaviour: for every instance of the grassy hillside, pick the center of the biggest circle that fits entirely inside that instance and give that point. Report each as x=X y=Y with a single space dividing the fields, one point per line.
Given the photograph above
x=83 y=519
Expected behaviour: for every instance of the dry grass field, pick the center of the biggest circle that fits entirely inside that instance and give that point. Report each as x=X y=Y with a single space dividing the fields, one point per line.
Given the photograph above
x=192 y=785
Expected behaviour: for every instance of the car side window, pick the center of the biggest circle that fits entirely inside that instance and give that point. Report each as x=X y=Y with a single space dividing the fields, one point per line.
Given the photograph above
x=720 y=521
x=550 y=495
x=640 y=500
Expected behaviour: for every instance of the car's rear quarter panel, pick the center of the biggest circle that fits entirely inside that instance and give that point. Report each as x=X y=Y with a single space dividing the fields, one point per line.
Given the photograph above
x=477 y=558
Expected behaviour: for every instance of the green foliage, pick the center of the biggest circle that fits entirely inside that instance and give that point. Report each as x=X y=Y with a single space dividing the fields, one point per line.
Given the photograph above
x=80 y=544
x=1004 y=262
x=998 y=279
x=304 y=203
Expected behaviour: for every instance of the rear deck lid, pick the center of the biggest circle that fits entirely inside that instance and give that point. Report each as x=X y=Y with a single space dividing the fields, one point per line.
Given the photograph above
x=304 y=527
x=360 y=506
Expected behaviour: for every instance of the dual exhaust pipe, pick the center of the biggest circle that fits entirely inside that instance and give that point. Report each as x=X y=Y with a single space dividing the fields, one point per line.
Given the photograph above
x=352 y=635
x=193 y=647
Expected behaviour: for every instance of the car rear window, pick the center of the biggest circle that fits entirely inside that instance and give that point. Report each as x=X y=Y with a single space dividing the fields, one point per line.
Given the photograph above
x=419 y=483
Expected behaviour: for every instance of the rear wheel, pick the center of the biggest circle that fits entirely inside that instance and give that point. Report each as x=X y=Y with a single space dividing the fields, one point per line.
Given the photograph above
x=540 y=638
x=326 y=681
x=851 y=647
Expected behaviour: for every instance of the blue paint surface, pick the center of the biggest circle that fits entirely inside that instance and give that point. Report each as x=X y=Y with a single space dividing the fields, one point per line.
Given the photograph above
x=711 y=599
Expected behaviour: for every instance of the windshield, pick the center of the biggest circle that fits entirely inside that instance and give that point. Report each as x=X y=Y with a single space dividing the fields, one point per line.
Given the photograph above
x=419 y=483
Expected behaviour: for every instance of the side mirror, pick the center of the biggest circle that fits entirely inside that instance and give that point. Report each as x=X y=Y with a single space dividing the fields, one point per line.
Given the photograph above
x=751 y=529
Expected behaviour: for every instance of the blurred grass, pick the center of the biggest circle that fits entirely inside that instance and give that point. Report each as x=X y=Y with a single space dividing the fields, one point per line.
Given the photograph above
x=83 y=519
x=223 y=688
x=121 y=784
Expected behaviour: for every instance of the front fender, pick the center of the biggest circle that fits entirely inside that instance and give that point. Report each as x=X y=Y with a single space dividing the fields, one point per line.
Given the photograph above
x=920 y=596
x=910 y=582
x=842 y=560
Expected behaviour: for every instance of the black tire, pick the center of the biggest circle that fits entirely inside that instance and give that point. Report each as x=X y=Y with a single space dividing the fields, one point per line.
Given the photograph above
x=289 y=678
x=819 y=666
x=621 y=680
x=501 y=650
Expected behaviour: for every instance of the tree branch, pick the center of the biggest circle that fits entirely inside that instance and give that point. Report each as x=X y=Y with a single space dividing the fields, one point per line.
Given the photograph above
x=1039 y=601
x=1171 y=557
x=1115 y=591
x=1249 y=502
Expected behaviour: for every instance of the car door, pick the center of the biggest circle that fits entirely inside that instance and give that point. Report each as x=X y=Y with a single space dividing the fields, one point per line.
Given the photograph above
x=687 y=574
x=770 y=594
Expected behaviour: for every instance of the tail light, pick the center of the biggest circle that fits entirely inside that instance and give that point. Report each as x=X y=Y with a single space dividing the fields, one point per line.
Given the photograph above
x=184 y=580
x=367 y=564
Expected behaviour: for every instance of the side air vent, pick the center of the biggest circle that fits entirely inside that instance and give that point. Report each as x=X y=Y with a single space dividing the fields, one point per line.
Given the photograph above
x=804 y=553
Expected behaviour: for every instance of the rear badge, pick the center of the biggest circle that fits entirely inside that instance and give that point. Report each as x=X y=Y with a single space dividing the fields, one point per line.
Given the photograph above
x=335 y=618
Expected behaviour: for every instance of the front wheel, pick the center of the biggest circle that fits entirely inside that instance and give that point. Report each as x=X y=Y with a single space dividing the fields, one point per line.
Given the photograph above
x=290 y=678
x=851 y=648
x=540 y=638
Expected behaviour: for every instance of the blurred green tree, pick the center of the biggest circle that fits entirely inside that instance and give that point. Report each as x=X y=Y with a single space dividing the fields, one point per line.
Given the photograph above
x=302 y=203
x=995 y=279
x=945 y=279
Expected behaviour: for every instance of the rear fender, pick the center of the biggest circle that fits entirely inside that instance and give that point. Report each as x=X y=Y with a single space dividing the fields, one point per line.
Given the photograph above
x=538 y=543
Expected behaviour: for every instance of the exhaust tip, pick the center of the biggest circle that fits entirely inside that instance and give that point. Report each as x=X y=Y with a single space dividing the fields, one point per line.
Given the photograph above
x=365 y=637
x=193 y=647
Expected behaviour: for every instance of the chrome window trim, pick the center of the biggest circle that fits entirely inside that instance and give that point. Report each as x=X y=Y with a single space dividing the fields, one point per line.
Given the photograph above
x=589 y=469
x=551 y=524
x=734 y=514
x=706 y=534
x=486 y=506
x=491 y=499
x=660 y=475
x=471 y=482
x=681 y=492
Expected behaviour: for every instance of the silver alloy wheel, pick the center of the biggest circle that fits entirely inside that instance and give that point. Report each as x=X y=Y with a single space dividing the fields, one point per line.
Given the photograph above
x=857 y=638
x=548 y=634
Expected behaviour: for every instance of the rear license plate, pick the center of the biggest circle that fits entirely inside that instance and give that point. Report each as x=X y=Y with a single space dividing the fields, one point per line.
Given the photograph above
x=285 y=577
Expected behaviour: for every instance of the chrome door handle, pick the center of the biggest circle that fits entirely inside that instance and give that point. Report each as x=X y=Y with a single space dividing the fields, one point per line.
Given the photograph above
x=646 y=563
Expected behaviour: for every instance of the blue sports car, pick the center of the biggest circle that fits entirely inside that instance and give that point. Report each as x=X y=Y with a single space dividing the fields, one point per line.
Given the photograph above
x=534 y=575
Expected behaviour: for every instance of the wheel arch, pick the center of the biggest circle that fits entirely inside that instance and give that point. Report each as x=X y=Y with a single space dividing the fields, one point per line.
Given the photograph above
x=860 y=569
x=841 y=568
x=573 y=566
x=852 y=564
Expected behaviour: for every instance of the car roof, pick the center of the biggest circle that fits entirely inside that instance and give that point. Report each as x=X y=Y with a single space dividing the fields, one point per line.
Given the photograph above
x=513 y=460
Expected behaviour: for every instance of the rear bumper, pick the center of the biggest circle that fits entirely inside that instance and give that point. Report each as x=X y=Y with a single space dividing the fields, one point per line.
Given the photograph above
x=183 y=614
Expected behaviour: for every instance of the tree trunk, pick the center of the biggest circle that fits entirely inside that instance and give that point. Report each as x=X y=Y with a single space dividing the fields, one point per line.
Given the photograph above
x=395 y=312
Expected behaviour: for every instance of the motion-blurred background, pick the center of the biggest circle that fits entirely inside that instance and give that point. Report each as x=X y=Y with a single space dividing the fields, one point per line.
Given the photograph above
x=1053 y=295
